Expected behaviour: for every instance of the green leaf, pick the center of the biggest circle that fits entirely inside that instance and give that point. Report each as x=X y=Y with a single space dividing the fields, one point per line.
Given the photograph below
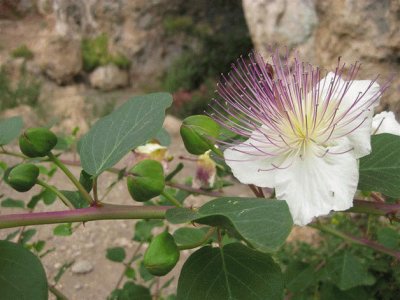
x=146 y=276
x=34 y=201
x=143 y=229
x=389 y=237
x=12 y=235
x=27 y=235
x=380 y=170
x=62 y=270
x=116 y=254
x=131 y=291
x=86 y=180
x=39 y=246
x=63 y=230
x=48 y=197
x=10 y=129
x=21 y=274
x=187 y=236
x=347 y=271
x=8 y=202
x=331 y=292
x=299 y=276
x=130 y=273
x=75 y=198
x=265 y=224
x=163 y=137
x=233 y=272
x=113 y=136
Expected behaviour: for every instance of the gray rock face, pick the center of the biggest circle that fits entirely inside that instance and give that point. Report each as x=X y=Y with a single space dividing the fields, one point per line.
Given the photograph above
x=365 y=31
x=287 y=23
x=109 y=77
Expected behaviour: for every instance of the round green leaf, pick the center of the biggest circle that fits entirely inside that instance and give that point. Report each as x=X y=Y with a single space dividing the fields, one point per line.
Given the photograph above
x=116 y=254
x=265 y=224
x=233 y=272
x=22 y=275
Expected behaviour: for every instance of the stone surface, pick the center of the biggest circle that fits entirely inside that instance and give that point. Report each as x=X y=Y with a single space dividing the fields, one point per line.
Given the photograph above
x=366 y=31
x=82 y=267
x=65 y=106
x=27 y=113
x=109 y=77
x=58 y=57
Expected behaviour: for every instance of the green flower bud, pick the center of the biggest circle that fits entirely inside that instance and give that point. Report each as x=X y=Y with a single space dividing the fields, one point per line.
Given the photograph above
x=162 y=254
x=147 y=181
x=37 y=142
x=22 y=177
x=196 y=131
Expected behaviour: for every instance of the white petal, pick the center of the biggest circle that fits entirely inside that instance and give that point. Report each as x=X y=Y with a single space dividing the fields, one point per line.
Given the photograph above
x=360 y=137
x=353 y=119
x=254 y=160
x=385 y=122
x=250 y=169
x=313 y=186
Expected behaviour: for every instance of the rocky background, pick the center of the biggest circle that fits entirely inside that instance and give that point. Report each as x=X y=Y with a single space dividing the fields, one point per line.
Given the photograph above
x=365 y=31
x=79 y=52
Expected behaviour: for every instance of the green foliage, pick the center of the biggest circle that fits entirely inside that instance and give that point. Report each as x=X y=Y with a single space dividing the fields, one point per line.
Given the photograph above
x=187 y=236
x=116 y=254
x=380 y=170
x=143 y=229
x=231 y=272
x=10 y=129
x=131 y=291
x=9 y=202
x=22 y=52
x=332 y=269
x=347 y=271
x=86 y=180
x=219 y=42
x=263 y=224
x=63 y=230
x=110 y=139
x=26 y=91
x=178 y=24
x=75 y=198
x=24 y=269
x=95 y=53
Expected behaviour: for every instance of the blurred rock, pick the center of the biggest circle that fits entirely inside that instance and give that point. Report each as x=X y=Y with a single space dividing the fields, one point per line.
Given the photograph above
x=366 y=31
x=64 y=105
x=82 y=267
x=109 y=77
x=25 y=111
x=60 y=58
x=18 y=69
